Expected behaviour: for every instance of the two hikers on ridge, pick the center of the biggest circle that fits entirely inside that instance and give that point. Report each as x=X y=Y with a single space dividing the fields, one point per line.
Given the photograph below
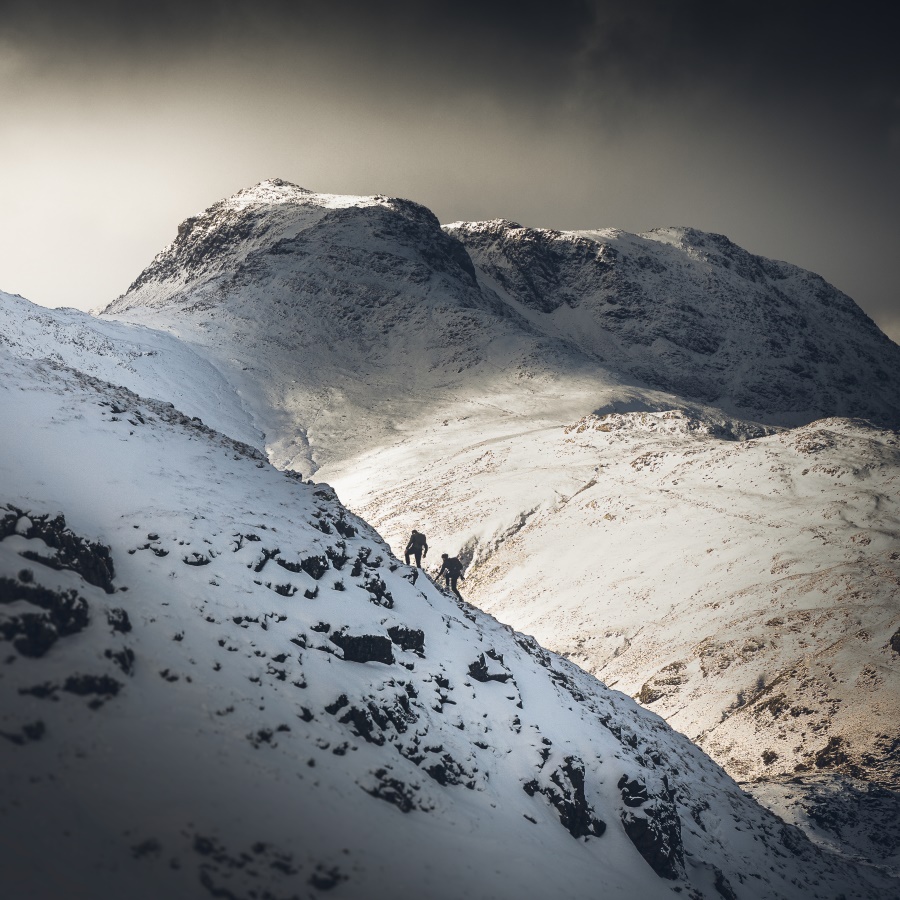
x=451 y=567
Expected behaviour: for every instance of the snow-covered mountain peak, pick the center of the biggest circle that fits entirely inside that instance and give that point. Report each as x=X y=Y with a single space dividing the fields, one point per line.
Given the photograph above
x=263 y=219
x=692 y=313
x=272 y=190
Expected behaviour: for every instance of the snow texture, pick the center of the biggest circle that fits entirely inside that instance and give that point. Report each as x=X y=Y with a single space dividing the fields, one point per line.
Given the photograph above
x=219 y=682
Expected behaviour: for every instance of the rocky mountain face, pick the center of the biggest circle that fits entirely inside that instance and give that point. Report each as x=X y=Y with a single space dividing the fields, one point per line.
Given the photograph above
x=217 y=681
x=695 y=315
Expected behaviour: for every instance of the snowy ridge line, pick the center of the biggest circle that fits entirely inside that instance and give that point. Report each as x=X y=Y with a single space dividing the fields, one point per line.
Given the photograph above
x=290 y=710
x=146 y=360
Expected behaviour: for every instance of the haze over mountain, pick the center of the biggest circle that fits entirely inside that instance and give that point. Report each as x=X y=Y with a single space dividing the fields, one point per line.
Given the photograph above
x=617 y=432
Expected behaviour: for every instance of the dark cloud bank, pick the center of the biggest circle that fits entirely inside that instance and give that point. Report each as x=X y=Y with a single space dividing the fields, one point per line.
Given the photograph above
x=778 y=124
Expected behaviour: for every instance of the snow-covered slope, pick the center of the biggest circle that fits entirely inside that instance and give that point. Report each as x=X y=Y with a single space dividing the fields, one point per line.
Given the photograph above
x=145 y=360
x=218 y=682
x=745 y=590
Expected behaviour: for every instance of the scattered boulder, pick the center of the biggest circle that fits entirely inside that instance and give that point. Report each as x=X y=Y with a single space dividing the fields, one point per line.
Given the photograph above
x=408 y=638
x=653 y=826
x=489 y=667
x=364 y=647
x=566 y=793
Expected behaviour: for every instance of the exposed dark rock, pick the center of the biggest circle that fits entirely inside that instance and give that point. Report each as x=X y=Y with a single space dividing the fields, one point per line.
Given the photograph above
x=264 y=736
x=479 y=669
x=118 y=620
x=895 y=641
x=266 y=556
x=99 y=687
x=393 y=791
x=793 y=839
x=91 y=560
x=378 y=592
x=337 y=555
x=655 y=828
x=33 y=634
x=344 y=528
x=196 y=559
x=315 y=566
x=87 y=685
x=633 y=792
x=33 y=731
x=123 y=658
x=448 y=771
x=364 y=647
x=41 y=691
x=323 y=524
x=566 y=793
x=408 y=638
x=363 y=558
x=723 y=886
x=338 y=705
x=831 y=755
x=324 y=879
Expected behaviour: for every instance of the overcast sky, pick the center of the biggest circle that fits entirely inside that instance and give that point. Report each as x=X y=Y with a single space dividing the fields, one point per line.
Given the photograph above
x=777 y=124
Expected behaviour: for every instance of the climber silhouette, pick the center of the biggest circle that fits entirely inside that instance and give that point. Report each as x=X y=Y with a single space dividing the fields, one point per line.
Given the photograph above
x=451 y=570
x=418 y=546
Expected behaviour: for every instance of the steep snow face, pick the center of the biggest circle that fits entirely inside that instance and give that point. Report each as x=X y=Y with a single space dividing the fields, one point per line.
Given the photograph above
x=145 y=360
x=745 y=590
x=217 y=681
x=693 y=314
x=340 y=320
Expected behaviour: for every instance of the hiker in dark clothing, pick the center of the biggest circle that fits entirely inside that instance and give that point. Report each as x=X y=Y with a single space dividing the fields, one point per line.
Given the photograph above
x=451 y=570
x=418 y=546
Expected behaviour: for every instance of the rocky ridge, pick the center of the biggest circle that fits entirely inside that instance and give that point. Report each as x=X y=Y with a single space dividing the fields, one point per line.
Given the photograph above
x=693 y=314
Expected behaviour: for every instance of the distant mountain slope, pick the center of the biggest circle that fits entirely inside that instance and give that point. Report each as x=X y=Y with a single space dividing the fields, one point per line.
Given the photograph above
x=218 y=682
x=346 y=322
x=335 y=316
x=693 y=314
x=746 y=590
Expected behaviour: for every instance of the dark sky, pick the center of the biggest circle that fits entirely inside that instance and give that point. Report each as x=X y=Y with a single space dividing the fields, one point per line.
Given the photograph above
x=776 y=124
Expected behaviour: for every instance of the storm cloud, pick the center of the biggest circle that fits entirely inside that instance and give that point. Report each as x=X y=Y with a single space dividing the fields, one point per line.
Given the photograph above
x=776 y=124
